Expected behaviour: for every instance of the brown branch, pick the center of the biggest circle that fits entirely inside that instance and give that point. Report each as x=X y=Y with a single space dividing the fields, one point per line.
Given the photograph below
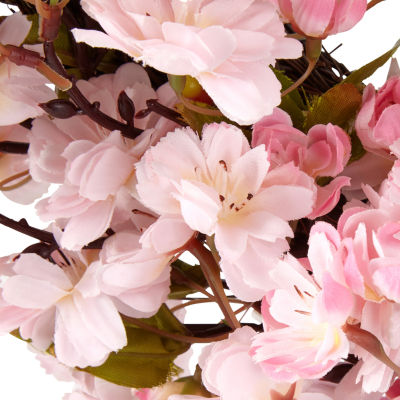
x=91 y=110
x=373 y=3
x=211 y=272
x=23 y=227
x=175 y=336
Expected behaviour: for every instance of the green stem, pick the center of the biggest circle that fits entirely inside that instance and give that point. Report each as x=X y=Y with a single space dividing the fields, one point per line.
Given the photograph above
x=211 y=272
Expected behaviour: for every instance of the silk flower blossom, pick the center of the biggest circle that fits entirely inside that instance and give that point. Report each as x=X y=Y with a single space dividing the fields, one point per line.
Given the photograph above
x=318 y=19
x=21 y=88
x=226 y=45
x=70 y=309
x=311 y=311
x=219 y=186
x=96 y=175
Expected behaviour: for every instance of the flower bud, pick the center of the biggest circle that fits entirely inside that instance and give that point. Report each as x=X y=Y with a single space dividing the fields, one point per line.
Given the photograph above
x=60 y=108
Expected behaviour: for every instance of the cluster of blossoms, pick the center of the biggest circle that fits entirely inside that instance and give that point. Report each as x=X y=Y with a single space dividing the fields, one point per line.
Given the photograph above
x=189 y=145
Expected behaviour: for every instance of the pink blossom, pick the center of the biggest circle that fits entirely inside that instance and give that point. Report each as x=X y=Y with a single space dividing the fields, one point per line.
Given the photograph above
x=137 y=278
x=319 y=19
x=228 y=49
x=377 y=122
x=323 y=152
x=88 y=387
x=312 y=311
x=229 y=372
x=95 y=181
x=13 y=164
x=49 y=137
x=21 y=88
x=70 y=310
x=218 y=185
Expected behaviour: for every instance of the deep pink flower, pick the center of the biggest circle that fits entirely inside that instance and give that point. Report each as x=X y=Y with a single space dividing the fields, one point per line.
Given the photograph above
x=323 y=152
x=312 y=310
x=377 y=123
x=319 y=19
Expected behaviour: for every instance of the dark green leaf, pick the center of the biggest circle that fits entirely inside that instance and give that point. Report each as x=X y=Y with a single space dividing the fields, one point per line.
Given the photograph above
x=181 y=271
x=367 y=70
x=292 y=103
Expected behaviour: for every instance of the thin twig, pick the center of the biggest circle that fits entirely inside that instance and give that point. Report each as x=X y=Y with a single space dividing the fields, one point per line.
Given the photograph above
x=81 y=101
x=190 y=283
x=23 y=227
x=373 y=3
x=208 y=300
x=176 y=336
x=211 y=272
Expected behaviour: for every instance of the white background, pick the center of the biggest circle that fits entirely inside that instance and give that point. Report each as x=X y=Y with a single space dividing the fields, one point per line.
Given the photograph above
x=20 y=375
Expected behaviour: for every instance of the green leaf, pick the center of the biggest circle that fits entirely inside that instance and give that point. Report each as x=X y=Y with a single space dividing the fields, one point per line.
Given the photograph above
x=147 y=360
x=292 y=103
x=179 y=289
x=357 y=149
x=367 y=70
x=338 y=106
x=62 y=44
x=197 y=120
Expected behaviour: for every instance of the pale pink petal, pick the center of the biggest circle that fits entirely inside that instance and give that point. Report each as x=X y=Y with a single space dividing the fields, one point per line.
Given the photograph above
x=36 y=267
x=347 y=14
x=88 y=226
x=288 y=202
x=28 y=292
x=14 y=29
x=200 y=206
x=313 y=16
x=167 y=234
x=251 y=105
x=98 y=39
x=101 y=318
x=387 y=277
x=328 y=196
x=75 y=343
x=334 y=303
x=213 y=144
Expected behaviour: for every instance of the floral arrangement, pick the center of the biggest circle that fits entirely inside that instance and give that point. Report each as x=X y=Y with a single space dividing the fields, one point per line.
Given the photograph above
x=220 y=128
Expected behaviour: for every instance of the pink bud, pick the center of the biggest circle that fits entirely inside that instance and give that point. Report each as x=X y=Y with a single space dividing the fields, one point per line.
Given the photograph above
x=319 y=19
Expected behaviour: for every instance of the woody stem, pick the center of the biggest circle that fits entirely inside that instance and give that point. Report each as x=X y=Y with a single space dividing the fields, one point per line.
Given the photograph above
x=211 y=272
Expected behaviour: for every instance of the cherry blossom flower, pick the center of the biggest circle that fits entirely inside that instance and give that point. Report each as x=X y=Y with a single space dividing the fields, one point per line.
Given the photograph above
x=88 y=387
x=323 y=152
x=312 y=311
x=22 y=189
x=69 y=309
x=219 y=186
x=49 y=137
x=21 y=88
x=209 y=41
x=319 y=19
x=377 y=122
x=136 y=278
x=96 y=182
x=94 y=166
x=246 y=378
